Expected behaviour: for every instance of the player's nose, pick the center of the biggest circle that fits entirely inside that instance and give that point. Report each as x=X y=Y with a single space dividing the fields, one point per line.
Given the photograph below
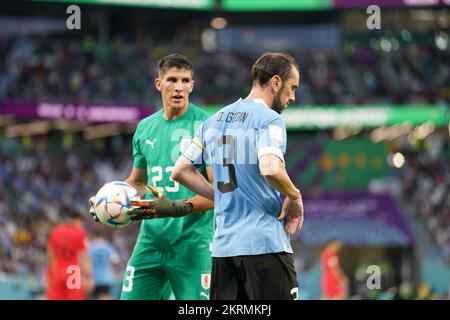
x=292 y=98
x=178 y=86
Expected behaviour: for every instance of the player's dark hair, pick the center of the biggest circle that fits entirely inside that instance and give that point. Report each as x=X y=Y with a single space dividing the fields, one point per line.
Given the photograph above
x=72 y=213
x=271 y=64
x=174 y=61
x=96 y=233
x=331 y=240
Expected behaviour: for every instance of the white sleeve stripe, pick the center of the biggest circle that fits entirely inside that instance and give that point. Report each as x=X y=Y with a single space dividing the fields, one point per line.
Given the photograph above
x=271 y=150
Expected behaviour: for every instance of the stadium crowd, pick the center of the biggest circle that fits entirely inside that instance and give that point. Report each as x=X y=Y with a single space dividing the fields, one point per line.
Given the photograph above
x=426 y=180
x=39 y=184
x=85 y=71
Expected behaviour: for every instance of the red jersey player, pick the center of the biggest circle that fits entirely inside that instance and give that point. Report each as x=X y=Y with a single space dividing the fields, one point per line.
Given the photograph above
x=334 y=282
x=69 y=267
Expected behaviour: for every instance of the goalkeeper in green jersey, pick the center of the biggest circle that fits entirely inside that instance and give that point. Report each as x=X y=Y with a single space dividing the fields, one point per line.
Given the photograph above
x=172 y=253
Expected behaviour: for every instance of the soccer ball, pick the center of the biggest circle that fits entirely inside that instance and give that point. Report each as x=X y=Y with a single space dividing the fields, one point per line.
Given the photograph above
x=112 y=202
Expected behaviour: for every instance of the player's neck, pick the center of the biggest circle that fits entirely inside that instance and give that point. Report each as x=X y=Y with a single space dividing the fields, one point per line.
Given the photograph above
x=174 y=113
x=259 y=93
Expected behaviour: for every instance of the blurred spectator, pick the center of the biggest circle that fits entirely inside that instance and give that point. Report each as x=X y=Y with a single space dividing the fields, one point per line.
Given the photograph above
x=426 y=182
x=104 y=259
x=69 y=270
x=334 y=282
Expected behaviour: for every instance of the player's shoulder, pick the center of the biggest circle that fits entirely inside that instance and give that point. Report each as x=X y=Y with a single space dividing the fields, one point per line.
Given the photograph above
x=266 y=112
x=261 y=113
x=149 y=119
x=238 y=104
x=228 y=108
x=154 y=116
x=62 y=227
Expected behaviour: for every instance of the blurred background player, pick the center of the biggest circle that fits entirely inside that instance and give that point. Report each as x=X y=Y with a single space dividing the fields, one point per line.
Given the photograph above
x=104 y=260
x=334 y=282
x=69 y=271
x=171 y=254
x=252 y=254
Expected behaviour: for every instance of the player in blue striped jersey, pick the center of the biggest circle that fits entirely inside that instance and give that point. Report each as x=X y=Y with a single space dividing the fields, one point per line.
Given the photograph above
x=245 y=142
x=104 y=258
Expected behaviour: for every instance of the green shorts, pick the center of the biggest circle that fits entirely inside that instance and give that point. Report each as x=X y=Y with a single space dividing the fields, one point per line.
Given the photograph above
x=153 y=274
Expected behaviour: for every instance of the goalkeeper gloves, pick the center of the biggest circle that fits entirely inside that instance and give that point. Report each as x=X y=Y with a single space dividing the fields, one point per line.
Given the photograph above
x=92 y=209
x=160 y=207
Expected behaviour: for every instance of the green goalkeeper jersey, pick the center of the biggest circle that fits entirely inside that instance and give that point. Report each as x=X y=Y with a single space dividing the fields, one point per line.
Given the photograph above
x=157 y=144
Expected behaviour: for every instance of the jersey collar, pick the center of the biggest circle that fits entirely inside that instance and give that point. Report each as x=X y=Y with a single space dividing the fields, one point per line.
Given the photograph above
x=258 y=100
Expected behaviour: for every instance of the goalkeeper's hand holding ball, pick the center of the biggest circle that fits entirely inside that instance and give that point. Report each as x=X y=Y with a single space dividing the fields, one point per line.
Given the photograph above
x=160 y=207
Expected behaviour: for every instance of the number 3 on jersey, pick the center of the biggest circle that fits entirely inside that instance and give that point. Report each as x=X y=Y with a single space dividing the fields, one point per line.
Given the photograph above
x=157 y=176
x=228 y=163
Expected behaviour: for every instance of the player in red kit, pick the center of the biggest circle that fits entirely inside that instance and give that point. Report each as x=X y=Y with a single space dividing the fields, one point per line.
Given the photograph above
x=69 y=268
x=334 y=282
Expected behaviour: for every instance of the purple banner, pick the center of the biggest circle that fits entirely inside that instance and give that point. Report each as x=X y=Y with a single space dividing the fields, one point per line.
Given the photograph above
x=356 y=218
x=92 y=113
x=388 y=3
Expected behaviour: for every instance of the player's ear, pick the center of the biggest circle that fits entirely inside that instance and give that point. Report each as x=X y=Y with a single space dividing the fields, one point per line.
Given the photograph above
x=276 y=83
x=192 y=86
x=158 y=84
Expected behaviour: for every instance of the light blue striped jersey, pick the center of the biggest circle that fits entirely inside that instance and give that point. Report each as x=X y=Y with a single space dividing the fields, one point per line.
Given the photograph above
x=246 y=206
x=102 y=254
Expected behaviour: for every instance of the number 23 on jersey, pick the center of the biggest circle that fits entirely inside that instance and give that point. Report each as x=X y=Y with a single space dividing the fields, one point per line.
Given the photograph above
x=159 y=174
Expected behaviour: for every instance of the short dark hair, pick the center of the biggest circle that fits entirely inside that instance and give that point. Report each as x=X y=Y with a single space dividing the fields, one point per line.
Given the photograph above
x=174 y=61
x=271 y=64
x=73 y=213
x=331 y=240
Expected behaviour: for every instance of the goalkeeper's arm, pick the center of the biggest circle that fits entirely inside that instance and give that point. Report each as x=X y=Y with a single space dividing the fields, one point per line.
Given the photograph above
x=162 y=207
x=138 y=179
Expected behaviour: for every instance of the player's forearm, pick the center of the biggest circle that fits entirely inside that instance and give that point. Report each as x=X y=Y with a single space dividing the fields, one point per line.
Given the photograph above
x=138 y=179
x=139 y=186
x=194 y=181
x=200 y=204
x=281 y=182
x=274 y=171
x=189 y=177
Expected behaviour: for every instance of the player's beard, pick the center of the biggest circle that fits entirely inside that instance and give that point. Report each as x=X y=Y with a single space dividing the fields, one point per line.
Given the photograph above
x=277 y=105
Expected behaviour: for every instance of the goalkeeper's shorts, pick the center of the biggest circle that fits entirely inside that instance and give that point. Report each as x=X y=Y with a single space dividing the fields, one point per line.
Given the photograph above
x=154 y=274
